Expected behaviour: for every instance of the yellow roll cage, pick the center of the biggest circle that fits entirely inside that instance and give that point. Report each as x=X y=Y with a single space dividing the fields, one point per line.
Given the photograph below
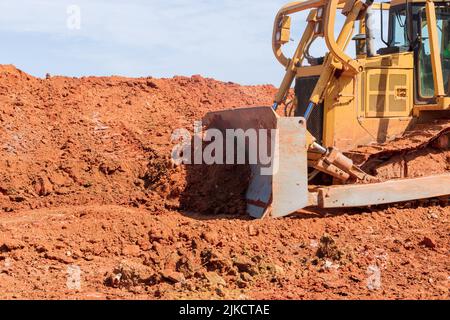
x=321 y=23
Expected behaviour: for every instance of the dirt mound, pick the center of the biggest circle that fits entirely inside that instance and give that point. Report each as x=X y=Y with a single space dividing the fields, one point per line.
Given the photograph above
x=78 y=154
x=108 y=140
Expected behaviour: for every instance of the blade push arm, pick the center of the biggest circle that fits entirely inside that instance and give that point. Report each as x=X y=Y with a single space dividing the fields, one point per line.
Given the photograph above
x=321 y=22
x=337 y=59
x=296 y=61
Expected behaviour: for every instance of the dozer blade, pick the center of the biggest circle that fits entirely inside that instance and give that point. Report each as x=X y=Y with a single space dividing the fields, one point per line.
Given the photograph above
x=278 y=188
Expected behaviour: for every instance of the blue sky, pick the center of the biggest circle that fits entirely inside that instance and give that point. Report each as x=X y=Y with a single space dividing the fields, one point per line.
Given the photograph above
x=228 y=40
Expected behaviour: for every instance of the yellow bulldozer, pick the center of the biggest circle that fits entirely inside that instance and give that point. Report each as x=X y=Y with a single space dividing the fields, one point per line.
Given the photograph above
x=351 y=115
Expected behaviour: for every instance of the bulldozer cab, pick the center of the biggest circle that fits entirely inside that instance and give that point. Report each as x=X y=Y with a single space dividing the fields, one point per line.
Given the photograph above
x=409 y=31
x=424 y=71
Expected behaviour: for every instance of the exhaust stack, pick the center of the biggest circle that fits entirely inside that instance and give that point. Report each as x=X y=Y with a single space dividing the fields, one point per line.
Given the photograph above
x=370 y=33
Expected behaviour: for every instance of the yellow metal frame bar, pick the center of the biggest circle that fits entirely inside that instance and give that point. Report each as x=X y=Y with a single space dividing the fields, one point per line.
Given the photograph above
x=289 y=9
x=337 y=47
x=434 y=47
x=382 y=5
x=330 y=66
x=336 y=58
x=296 y=61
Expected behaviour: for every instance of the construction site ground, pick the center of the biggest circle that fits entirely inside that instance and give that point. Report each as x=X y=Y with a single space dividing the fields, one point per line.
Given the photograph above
x=91 y=207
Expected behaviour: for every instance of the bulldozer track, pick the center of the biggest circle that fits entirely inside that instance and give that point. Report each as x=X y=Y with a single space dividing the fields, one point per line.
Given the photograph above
x=423 y=203
x=420 y=137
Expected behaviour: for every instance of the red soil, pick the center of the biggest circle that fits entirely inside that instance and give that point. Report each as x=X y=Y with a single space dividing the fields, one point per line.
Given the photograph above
x=93 y=208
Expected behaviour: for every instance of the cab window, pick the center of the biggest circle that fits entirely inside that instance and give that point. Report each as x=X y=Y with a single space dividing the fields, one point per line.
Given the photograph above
x=399 y=32
x=426 y=82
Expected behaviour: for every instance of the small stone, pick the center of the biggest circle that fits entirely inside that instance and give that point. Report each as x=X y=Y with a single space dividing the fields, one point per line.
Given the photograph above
x=172 y=276
x=128 y=274
x=277 y=269
x=432 y=214
x=11 y=245
x=214 y=261
x=273 y=268
x=152 y=84
x=241 y=284
x=159 y=235
x=252 y=231
x=428 y=243
x=17 y=198
x=109 y=167
x=214 y=279
x=232 y=272
x=210 y=237
x=220 y=293
x=246 y=277
x=59 y=257
x=245 y=265
x=408 y=244
x=43 y=186
x=185 y=266
x=113 y=280
x=131 y=250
